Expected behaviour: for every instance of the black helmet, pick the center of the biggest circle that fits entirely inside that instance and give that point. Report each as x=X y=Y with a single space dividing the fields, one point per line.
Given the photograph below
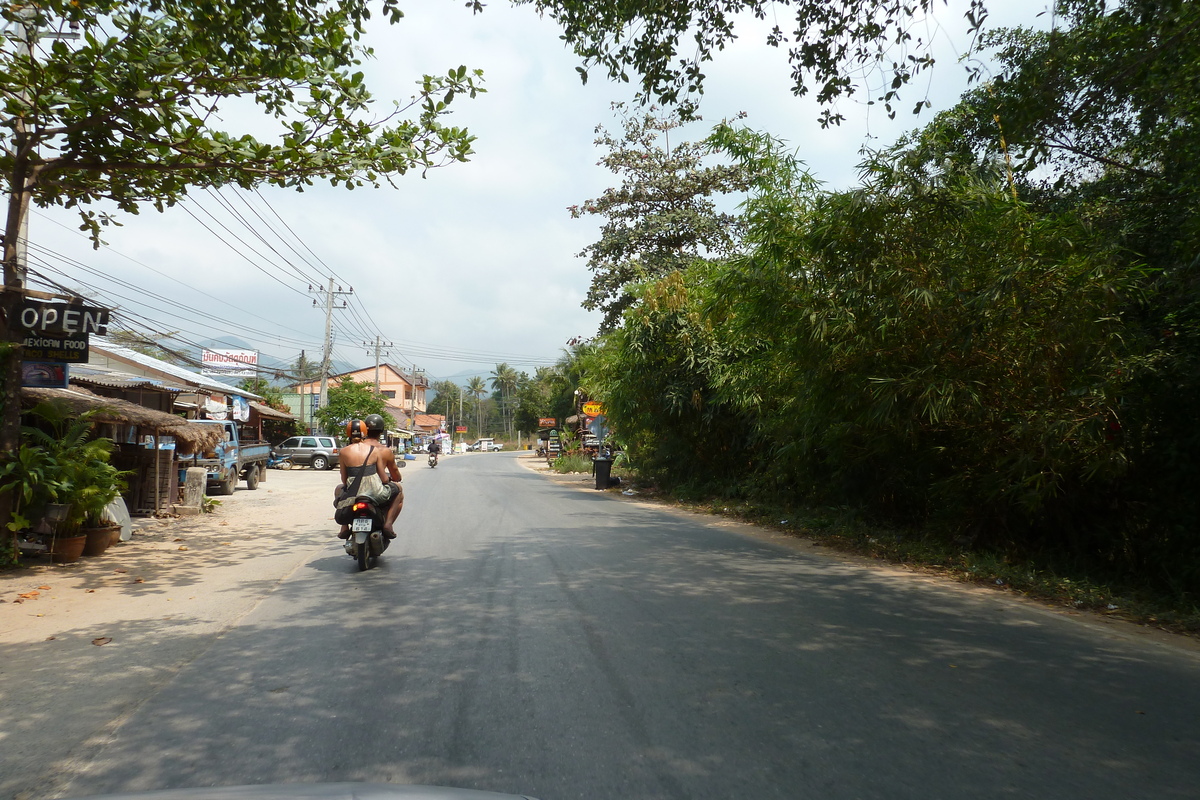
x=375 y=424
x=356 y=429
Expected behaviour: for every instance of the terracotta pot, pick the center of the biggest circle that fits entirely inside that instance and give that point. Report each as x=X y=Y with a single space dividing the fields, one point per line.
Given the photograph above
x=99 y=539
x=66 y=550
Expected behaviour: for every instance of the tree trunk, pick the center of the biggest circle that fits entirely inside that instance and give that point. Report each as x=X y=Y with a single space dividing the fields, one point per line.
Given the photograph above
x=10 y=338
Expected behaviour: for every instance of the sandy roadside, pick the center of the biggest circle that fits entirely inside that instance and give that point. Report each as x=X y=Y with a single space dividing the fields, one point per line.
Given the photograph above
x=161 y=565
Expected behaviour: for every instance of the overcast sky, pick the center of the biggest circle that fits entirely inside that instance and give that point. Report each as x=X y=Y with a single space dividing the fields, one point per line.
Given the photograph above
x=476 y=263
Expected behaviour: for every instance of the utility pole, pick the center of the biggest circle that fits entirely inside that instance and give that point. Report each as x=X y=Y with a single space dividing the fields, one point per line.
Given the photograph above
x=329 y=295
x=301 y=368
x=379 y=345
x=416 y=375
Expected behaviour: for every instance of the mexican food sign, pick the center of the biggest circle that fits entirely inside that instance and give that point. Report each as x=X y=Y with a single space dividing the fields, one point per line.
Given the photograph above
x=57 y=331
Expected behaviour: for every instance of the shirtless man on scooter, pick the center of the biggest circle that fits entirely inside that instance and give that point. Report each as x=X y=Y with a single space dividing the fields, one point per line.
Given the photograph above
x=381 y=483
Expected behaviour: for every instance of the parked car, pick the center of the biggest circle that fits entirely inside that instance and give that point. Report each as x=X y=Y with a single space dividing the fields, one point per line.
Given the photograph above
x=318 y=452
x=485 y=445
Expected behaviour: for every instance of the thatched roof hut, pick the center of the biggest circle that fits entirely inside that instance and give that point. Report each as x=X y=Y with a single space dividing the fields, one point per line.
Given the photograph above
x=189 y=436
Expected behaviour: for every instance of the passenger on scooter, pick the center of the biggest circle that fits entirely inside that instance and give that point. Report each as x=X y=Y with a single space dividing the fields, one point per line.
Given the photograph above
x=374 y=464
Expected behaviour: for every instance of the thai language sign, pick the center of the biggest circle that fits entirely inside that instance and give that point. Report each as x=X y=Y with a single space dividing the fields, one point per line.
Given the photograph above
x=229 y=363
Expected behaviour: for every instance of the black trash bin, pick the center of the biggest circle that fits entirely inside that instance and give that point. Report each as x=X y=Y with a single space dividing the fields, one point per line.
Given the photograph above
x=602 y=468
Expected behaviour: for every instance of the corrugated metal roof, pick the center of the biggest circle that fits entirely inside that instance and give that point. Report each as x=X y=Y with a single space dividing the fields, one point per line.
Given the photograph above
x=92 y=375
x=189 y=378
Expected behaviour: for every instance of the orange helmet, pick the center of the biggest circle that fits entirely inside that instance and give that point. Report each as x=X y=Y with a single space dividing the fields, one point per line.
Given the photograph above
x=356 y=429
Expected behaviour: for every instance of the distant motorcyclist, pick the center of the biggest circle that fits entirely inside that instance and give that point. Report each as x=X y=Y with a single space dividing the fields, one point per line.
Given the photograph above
x=373 y=466
x=435 y=446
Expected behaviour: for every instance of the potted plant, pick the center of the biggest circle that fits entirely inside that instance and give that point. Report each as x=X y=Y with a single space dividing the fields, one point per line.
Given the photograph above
x=94 y=484
x=81 y=476
x=31 y=476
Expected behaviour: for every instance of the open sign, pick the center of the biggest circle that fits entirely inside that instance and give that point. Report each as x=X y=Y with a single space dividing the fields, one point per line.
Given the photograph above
x=37 y=316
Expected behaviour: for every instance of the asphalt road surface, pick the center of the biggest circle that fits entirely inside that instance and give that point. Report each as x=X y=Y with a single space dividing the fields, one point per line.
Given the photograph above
x=531 y=637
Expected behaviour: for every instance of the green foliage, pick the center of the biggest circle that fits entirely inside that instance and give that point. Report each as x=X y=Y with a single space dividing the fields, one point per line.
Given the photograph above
x=76 y=466
x=661 y=217
x=566 y=463
x=504 y=382
x=306 y=370
x=657 y=376
x=445 y=398
x=1109 y=89
x=30 y=478
x=271 y=395
x=477 y=389
x=935 y=348
x=350 y=399
x=830 y=44
x=129 y=110
x=925 y=348
x=1102 y=119
x=58 y=461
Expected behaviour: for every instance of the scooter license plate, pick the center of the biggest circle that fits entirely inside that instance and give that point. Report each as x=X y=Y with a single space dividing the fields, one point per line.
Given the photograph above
x=361 y=524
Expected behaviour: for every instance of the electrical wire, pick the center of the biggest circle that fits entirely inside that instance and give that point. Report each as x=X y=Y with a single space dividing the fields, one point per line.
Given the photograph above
x=189 y=287
x=244 y=257
x=35 y=253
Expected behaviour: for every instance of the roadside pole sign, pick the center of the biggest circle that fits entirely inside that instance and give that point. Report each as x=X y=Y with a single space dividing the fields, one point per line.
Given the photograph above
x=598 y=427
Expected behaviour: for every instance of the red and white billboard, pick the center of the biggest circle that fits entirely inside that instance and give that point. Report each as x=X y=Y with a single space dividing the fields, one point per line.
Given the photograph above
x=229 y=363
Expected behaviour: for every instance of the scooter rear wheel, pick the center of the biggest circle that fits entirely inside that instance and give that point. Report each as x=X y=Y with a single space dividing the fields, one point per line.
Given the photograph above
x=364 y=556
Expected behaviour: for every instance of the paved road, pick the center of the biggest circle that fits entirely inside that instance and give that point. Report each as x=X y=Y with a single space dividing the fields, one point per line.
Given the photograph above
x=524 y=636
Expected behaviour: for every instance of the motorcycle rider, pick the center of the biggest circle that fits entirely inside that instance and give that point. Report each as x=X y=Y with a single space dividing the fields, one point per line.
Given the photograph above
x=374 y=465
x=435 y=446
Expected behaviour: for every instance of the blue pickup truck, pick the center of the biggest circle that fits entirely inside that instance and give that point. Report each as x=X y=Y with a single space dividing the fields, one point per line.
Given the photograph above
x=232 y=459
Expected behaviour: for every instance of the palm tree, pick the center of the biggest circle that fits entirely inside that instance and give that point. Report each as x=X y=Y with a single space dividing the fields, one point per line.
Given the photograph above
x=477 y=389
x=504 y=381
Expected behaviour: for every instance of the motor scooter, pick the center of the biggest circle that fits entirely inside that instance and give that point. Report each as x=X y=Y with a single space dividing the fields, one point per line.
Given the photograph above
x=279 y=461
x=367 y=542
x=433 y=458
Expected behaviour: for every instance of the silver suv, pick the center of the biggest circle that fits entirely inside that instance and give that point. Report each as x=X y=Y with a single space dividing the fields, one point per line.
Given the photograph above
x=318 y=452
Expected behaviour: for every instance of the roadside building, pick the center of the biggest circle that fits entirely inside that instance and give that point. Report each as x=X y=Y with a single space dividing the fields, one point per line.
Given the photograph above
x=145 y=405
x=405 y=393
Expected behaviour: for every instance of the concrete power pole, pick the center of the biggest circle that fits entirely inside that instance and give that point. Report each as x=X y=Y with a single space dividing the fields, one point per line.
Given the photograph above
x=416 y=376
x=329 y=295
x=379 y=346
